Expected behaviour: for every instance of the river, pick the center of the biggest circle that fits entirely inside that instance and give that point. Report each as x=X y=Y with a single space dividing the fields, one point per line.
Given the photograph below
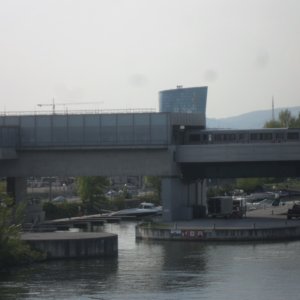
x=165 y=270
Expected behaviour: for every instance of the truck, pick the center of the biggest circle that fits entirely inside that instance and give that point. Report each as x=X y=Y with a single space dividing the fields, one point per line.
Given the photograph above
x=225 y=207
x=293 y=212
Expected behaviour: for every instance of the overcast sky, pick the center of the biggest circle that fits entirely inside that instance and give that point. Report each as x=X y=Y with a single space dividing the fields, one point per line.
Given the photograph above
x=123 y=52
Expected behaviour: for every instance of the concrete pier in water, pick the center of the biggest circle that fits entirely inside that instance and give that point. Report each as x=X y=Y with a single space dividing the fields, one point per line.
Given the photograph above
x=73 y=244
x=264 y=224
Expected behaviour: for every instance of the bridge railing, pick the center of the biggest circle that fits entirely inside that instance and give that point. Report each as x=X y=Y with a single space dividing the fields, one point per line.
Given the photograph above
x=78 y=112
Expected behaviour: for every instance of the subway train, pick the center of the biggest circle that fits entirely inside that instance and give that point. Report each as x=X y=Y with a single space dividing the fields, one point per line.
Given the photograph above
x=221 y=136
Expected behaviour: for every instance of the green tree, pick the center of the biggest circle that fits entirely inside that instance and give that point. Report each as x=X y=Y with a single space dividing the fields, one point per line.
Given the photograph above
x=220 y=190
x=91 y=191
x=117 y=202
x=295 y=122
x=272 y=124
x=285 y=119
x=250 y=185
x=154 y=182
x=61 y=210
x=13 y=251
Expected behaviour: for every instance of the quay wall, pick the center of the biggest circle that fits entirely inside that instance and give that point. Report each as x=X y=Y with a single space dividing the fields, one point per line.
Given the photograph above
x=73 y=245
x=219 y=234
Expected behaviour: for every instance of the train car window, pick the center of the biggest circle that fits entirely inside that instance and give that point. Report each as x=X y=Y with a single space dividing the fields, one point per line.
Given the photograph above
x=218 y=137
x=207 y=138
x=229 y=137
x=266 y=136
x=241 y=137
x=194 y=138
x=293 y=136
x=279 y=136
x=254 y=136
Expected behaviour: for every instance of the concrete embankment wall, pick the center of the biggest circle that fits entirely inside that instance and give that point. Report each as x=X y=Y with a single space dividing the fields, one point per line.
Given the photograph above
x=73 y=245
x=219 y=234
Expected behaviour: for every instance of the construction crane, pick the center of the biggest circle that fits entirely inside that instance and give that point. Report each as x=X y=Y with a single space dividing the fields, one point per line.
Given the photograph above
x=53 y=104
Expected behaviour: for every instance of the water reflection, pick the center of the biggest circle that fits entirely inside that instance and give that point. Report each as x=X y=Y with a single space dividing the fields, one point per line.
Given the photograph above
x=63 y=278
x=158 y=266
x=183 y=266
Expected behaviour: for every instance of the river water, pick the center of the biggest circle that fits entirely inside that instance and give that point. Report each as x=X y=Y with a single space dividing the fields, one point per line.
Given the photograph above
x=165 y=270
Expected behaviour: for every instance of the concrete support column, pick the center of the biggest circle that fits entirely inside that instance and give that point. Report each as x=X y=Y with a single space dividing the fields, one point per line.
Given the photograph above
x=201 y=198
x=16 y=188
x=183 y=200
x=175 y=197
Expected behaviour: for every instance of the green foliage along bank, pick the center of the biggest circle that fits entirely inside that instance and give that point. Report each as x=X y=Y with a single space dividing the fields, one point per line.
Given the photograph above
x=13 y=251
x=153 y=182
x=92 y=193
x=61 y=210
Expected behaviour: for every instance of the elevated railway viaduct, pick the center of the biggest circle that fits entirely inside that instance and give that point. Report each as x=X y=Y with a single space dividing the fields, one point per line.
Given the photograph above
x=175 y=146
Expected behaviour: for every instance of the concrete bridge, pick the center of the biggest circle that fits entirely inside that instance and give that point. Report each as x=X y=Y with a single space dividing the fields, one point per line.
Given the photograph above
x=175 y=146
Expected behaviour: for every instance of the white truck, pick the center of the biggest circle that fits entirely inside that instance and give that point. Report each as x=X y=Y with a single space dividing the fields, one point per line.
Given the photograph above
x=225 y=207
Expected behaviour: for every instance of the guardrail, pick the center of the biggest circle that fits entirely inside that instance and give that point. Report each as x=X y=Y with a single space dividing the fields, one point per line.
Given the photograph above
x=77 y=112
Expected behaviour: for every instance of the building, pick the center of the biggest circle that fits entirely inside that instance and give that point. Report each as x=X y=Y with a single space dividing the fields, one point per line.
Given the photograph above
x=183 y=100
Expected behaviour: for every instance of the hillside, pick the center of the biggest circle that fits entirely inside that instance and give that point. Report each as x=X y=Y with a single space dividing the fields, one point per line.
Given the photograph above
x=251 y=120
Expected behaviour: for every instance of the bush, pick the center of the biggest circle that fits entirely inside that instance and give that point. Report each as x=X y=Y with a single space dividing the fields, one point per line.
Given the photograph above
x=117 y=203
x=13 y=251
x=219 y=191
x=61 y=210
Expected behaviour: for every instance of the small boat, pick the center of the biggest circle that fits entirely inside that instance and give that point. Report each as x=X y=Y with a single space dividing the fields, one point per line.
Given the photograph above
x=144 y=209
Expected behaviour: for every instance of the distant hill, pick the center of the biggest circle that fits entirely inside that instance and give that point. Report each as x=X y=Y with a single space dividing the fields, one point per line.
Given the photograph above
x=251 y=120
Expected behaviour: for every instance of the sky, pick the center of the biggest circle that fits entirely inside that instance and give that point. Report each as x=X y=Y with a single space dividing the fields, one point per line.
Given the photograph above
x=118 y=54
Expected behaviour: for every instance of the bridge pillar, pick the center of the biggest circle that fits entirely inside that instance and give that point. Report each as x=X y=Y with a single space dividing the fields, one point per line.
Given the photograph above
x=200 y=206
x=174 y=196
x=16 y=188
x=183 y=200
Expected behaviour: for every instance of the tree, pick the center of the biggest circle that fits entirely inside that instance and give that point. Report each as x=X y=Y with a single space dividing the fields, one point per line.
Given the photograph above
x=250 y=185
x=13 y=251
x=272 y=124
x=154 y=182
x=295 y=122
x=285 y=120
x=222 y=190
x=91 y=191
x=61 y=210
x=117 y=202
